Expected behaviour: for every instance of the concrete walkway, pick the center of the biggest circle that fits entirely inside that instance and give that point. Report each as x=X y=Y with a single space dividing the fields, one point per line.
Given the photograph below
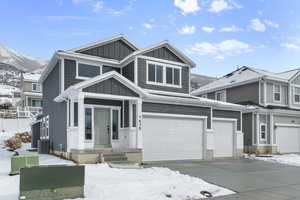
x=251 y=179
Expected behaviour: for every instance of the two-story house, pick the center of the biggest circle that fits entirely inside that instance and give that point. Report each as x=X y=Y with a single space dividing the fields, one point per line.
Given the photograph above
x=273 y=125
x=31 y=91
x=111 y=96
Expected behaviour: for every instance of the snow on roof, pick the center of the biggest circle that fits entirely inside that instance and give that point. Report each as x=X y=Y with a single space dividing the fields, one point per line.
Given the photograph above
x=243 y=75
x=7 y=89
x=31 y=76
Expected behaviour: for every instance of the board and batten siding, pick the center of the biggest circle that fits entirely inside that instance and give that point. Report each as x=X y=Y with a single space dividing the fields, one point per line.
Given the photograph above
x=142 y=79
x=57 y=111
x=247 y=129
x=283 y=95
x=229 y=115
x=114 y=50
x=243 y=93
x=110 y=86
x=128 y=71
x=163 y=53
x=178 y=109
x=296 y=80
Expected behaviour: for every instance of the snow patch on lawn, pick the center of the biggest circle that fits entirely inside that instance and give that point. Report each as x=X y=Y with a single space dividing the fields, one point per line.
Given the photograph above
x=288 y=159
x=105 y=183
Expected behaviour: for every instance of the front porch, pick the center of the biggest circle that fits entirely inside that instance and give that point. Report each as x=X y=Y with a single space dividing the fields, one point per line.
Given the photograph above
x=103 y=117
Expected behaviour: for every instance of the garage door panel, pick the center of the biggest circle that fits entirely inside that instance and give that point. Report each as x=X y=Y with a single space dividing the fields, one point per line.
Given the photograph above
x=172 y=138
x=223 y=138
x=288 y=139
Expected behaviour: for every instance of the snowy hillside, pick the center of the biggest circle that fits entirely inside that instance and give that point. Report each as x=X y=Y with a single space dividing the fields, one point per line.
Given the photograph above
x=20 y=61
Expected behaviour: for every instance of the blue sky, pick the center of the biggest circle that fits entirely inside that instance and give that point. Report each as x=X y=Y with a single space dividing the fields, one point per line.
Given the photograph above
x=218 y=35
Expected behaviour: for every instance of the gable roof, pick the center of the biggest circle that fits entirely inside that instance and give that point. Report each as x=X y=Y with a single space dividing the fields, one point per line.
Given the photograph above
x=106 y=41
x=244 y=75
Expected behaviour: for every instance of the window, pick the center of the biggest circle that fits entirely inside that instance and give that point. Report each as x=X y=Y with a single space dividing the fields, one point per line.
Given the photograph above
x=17 y=94
x=115 y=124
x=297 y=95
x=161 y=74
x=36 y=87
x=277 y=91
x=86 y=71
x=220 y=96
x=263 y=132
x=88 y=124
x=36 y=103
x=155 y=73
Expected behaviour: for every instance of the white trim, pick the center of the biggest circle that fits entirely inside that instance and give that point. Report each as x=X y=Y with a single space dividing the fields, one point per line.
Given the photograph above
x=86 y=63
x=294 y=93
x=136 y=70
x=266 y=132
x=265 y=92
x=288 y=125
x=179 y=94
x=163 y=61
x=174 y=115
x=108 y=96
x=164 y=74
x=224 y=119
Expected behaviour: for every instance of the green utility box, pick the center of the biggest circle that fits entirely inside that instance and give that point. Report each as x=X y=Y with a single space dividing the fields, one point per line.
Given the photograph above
x=18 y=162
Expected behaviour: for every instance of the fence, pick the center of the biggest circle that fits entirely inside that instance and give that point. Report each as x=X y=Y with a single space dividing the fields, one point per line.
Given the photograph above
x=20 y=112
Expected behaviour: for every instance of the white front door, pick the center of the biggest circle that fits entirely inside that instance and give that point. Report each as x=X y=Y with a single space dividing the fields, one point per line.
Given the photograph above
x=223 y=138
x=102 y=127
x=172 y=138
x=288 y=139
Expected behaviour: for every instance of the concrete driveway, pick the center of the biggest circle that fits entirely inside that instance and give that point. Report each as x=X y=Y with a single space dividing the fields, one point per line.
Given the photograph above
x=251 y=179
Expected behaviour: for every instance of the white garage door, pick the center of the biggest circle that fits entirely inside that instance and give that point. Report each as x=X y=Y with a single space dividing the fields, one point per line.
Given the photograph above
x=288 y=139
x=223 y=138
x=172 y=138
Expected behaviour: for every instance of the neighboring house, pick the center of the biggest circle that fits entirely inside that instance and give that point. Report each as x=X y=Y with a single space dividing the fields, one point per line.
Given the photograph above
x=31 y=91
x=9 y=96
x=111 y=96
x=273 y=125
x=198 y=81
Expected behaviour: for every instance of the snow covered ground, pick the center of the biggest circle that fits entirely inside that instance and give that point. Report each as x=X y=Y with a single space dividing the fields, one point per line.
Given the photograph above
x=105 y=183
x=288 y=159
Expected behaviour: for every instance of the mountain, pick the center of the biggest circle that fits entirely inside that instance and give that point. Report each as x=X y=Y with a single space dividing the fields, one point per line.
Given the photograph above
x=20 y=61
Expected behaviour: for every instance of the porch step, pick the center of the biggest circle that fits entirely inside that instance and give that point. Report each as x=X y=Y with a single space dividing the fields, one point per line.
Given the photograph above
x=113 y=157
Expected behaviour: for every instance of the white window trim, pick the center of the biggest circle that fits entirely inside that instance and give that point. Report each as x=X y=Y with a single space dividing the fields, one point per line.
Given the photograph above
x=37 y=86
x=164 y=83
x=294 y=94
x=274 y=92
x=266 y=135
x=33 y=99
x=220 y=92
x=86 y=63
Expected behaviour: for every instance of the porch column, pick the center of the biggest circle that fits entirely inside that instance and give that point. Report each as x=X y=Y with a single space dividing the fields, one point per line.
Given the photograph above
x=71 y=112
x=139 y=136
x=81 y=116
x=257 y=129
x=271 y=129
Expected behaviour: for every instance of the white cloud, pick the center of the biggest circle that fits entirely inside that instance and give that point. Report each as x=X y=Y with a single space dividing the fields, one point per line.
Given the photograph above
x=187 y=30
x=147 y=26
x=220 y=50
x=187 y=6
x=97 y=6
x=271 y=24
x=290 y=46
x=220 y=5
x=80 y=1
x=232 y=28
x=257 y=25
x=208 y=29
x=130 y=27
x=59 y=2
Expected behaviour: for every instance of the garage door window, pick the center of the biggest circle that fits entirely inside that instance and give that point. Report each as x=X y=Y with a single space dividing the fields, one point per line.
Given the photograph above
x=263 y=132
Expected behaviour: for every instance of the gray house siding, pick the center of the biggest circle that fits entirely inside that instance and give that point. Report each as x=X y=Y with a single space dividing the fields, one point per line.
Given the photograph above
x=247 y=129
x=106 y=68
x=114 y=50
x=296 y=80
x=283 y=96
x=70 y=73
x=128 y=71
x=230 y=115
x=111 y=86
x=211 y=95
x=142 y=72
x=178 y=109
x=57 y=111
x=243 y=94
x=163 y=53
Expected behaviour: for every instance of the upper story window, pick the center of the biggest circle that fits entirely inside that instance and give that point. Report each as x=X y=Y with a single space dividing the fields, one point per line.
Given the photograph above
x=277 y=92
x=86 y=71
x=36 y=87
x=220 y=96
x=163 y=74
x=297 y=95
